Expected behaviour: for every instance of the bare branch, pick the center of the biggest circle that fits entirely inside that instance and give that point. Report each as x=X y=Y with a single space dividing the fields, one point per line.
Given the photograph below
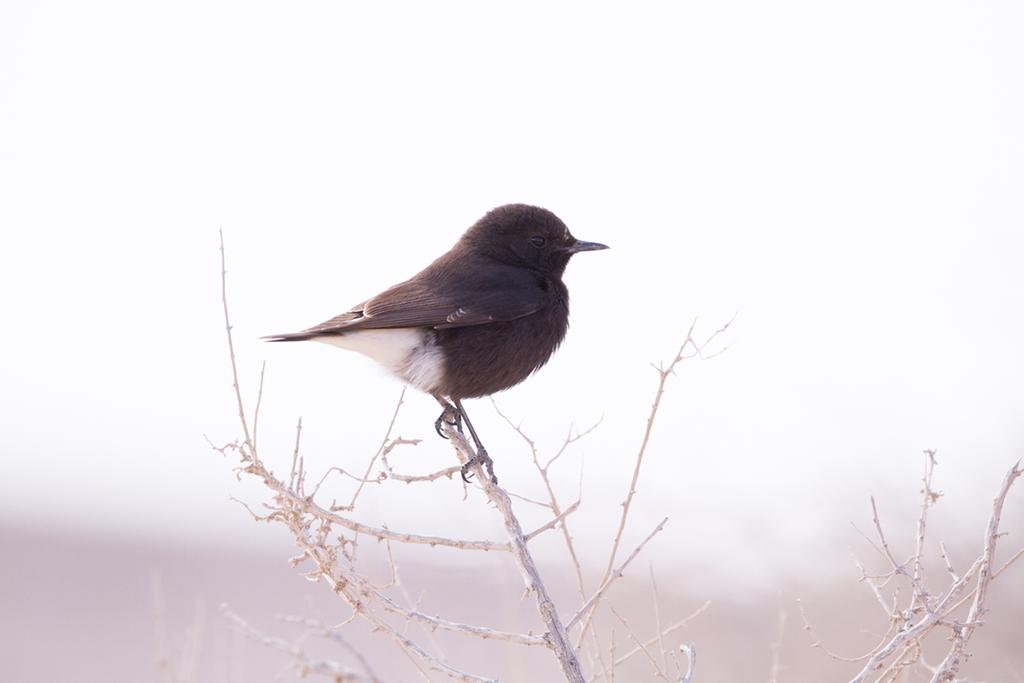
x=454 y=626
x=380 y=450
x=324 y=631
x=558 y=639
x=259 y=402
x=413 y=478
x=553 y=504
x=310 y=507
x=554 y=521
x=231 y=349
x=663 y=375
x=654 y=662
x=657 y=617
x=950 y=666
x=664 y=634
x=902 y=645
x=691 y=662
x=587 y=608
x=303 y=664
x=928 y=497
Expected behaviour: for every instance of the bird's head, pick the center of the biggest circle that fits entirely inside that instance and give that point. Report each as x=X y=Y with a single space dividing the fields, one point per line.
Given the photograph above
x=527 y=236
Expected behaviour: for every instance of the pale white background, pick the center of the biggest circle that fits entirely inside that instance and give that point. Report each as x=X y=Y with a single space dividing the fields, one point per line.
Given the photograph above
x=845 y=178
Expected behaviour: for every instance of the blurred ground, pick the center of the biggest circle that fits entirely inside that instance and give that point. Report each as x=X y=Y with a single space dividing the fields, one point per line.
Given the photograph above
x=81 y=608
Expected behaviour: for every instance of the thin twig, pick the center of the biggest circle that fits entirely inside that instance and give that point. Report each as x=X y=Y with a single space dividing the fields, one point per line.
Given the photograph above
x=259 y=402
x=949 y=668
x=413 y=478
x=664 y=634
x=691 y=662
x=324 y=631
x=302 y=663
x=587 y=609
x=560 y=518
x=663 y=375
x=231 y=348
x=383 y=444
x=654 y=662
x=656 y=600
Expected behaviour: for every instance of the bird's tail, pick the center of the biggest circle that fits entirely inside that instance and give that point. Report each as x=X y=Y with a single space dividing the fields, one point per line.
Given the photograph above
x=288 y=337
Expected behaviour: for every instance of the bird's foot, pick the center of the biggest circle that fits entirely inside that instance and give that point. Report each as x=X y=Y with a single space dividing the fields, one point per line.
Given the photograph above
x=450 y=416
x=481 y=458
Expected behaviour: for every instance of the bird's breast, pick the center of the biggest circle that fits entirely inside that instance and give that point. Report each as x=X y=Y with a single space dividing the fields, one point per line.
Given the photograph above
x=484 y=359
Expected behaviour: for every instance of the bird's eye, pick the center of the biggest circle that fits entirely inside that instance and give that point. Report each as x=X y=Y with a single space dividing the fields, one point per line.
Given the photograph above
x=537 y=241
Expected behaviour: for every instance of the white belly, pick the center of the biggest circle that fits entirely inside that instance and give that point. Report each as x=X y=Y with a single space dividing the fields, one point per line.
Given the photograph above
x=408 y=352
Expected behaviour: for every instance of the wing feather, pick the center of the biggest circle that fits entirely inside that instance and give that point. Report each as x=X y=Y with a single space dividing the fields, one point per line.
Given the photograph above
x=415 y=304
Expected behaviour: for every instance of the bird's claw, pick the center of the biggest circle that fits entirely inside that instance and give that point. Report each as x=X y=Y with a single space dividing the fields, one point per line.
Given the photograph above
x=437 y=426
x=450 y=416
x=481 y=458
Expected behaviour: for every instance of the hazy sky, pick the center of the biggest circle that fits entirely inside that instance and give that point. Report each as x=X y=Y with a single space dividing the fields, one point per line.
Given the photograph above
x=846 y=179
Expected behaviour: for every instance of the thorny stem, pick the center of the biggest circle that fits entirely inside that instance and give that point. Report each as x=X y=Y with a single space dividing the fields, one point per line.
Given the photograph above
x=542 y=470
x=380 y=451
x=928 y=498
x=658 y=672
x=668 y=631
x=950 y=666
x=552 y=498
x=231 y=347
x=902 y=645
x=663 y=375
x=588 y=608
x=557 y=636
x=259 y=402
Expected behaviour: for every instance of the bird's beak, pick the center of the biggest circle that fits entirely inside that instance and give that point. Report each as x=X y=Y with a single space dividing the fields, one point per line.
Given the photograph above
x=580 y=245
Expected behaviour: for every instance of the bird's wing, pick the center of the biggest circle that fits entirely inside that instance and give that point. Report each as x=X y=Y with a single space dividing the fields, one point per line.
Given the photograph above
x=415 y=304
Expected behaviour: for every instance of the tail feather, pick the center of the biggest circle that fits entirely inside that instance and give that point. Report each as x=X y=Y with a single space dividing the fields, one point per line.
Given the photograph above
x=289 y=336
x=335 y=326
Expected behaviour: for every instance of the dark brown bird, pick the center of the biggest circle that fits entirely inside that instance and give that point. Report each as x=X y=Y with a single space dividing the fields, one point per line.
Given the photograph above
x=481 y=318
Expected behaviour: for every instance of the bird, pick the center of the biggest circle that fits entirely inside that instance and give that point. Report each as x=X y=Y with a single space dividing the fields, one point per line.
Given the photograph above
x=479 y=319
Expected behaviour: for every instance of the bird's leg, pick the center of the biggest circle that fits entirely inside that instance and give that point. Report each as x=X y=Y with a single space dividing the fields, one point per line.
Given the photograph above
x=450 y=414
x=481 y=457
